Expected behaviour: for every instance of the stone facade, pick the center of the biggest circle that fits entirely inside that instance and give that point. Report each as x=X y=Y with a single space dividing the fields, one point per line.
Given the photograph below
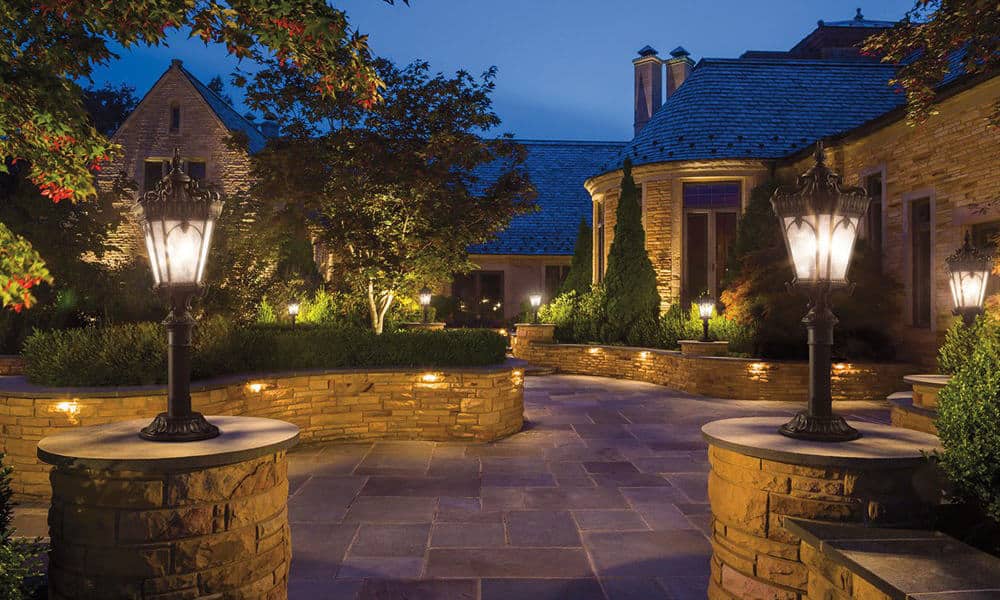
x=147 y=135
x=952 y=159
x=829 y=580
x=474 y=404
x=220 y=532
x=755 y=557
x=715 y=376
x=11 y=364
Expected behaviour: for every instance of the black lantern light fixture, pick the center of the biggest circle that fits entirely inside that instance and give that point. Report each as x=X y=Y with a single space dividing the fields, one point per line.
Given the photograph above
x=536 y=301
x=819 y=222
x=968 y=275
x=178 y=218
x=425 y=301
x=706 y=304
x=293 y=311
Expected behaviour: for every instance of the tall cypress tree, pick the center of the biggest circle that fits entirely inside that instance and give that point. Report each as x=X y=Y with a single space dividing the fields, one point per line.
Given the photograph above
x=581 y=270
x=632 y=303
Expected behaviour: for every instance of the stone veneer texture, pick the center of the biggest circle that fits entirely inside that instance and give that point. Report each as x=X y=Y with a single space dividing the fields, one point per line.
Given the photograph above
x=754 y=556
x=474 y=404
x=220 y=532
x=719 y=377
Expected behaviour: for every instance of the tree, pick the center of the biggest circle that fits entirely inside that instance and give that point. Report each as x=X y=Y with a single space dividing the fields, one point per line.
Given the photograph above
x=392 y=191
x=581 y=269
x=46 y=47
x=925 y=42
x=219 y=87
x=632 y=302
x=109 y=106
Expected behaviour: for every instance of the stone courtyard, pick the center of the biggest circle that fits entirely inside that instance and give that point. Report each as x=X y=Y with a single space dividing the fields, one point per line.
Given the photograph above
x=603 y=495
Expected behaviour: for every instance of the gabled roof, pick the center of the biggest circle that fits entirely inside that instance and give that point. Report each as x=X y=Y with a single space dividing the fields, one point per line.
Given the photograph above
x=233 y=120
x=761 y=108
x=557 y=169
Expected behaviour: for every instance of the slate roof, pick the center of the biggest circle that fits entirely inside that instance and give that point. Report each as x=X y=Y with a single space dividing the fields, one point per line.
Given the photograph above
x=233 y=120
x=557 y=169
x=760 y=108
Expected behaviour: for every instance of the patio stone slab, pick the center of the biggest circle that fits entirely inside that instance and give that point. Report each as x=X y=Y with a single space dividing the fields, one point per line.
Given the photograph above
x=390 y=540
x=647 y=553
x=508 y=562
x=609 y=520
x=391 y=509
x=393 y=589
x=430 y=487
x=463 y=535
x=542 y=589
x=542 y=528
x=381 y=568
x=573 y=498
x=634 y=588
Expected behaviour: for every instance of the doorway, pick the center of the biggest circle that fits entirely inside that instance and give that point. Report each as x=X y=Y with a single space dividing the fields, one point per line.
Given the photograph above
x=711 y=213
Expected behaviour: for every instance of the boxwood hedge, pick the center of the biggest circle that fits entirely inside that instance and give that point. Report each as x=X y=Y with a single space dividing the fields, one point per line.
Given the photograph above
x=136 y=354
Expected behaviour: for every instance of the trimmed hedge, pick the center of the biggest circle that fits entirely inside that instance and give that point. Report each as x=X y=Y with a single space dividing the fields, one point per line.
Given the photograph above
x=136 y=354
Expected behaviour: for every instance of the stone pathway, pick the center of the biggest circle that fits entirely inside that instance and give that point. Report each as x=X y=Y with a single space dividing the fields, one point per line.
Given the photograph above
x=601 y=497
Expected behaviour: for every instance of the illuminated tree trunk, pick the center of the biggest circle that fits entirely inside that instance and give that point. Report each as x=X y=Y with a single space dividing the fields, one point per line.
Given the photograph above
x=378 y=306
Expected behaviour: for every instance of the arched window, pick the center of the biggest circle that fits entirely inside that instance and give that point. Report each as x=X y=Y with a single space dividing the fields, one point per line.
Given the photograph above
x=175 y=117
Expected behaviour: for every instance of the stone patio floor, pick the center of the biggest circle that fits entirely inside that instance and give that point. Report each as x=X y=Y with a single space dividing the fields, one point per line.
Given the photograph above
x=601 y=496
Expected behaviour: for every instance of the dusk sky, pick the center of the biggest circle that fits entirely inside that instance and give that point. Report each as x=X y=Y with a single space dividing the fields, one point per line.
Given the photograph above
x=564 y=65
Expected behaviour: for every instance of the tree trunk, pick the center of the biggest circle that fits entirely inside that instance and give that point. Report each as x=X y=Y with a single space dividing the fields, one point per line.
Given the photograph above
x=378 y=307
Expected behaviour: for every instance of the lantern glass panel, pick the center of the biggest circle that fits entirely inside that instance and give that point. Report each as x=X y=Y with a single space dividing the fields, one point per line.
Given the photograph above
x=425 y=298
x=705 y=308
x=968 y=288
x=535 y=299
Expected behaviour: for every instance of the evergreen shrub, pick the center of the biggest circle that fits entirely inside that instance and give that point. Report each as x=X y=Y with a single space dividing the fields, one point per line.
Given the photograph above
x=20 y=565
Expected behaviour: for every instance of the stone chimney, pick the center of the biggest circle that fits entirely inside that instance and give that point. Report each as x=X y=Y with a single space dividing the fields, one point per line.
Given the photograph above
x=270 y=129
x=678 y=68
x=648 y=86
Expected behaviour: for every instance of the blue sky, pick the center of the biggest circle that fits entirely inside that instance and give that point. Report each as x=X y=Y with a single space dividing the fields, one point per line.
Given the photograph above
x=564 y=65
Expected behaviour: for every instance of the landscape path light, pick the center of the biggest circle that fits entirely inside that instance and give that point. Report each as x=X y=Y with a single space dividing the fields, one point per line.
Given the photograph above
x=968 y=276
x=177 y=219
x=706 y=304
x=536 y=301
x=819 y=222
x=425 y=301
x=293 y=311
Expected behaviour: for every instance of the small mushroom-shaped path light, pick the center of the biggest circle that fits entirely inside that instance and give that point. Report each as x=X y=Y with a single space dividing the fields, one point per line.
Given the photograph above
x=968 y=275
x=293 y=311
x=536 y=301
x=819 y=222
x=177 y=219
x=425 y=301
x=706 y=304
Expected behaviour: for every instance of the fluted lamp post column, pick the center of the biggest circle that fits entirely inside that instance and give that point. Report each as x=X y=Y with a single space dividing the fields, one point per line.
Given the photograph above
x=177 y=219
x=819 y=222
x=968 y=276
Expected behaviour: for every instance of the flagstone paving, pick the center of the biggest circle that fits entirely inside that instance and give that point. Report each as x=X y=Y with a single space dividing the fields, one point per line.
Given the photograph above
x=602 y=496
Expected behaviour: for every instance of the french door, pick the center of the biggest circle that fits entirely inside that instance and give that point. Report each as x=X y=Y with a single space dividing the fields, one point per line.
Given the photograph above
x=708 y=234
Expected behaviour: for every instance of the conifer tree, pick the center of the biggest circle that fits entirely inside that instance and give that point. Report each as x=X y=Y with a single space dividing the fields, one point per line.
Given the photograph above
x=581 y=270
x=632 y=302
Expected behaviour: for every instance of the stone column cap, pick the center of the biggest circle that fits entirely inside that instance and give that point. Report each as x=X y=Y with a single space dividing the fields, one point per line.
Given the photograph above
x=879 y=445
x=118 y=447
x=927 y=379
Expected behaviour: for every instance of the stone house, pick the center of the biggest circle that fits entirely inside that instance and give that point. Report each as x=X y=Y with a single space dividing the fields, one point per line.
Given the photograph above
x=725 y=126
x=179 y=111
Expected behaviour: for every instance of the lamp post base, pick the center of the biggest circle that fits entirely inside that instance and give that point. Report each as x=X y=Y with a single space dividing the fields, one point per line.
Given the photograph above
x=819 y=429
x=189 y=428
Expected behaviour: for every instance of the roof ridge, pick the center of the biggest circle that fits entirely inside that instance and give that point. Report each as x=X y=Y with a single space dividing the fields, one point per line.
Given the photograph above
x=779 y=60
x=554 y=142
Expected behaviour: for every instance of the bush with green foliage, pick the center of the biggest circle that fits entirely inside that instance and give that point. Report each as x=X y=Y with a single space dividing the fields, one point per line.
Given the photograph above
x=756 y=295
x=135 y=354
x=631 y=300
x=968 y=414
x=19 y=558
x=959 y=344
x=581 y=269
x=679 y=324
x=579 y=318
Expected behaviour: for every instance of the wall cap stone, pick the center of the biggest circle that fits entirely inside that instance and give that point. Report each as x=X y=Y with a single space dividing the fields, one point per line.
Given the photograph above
x=20 y=387
x=118 y=447
x=880 y=446
x=928 y=380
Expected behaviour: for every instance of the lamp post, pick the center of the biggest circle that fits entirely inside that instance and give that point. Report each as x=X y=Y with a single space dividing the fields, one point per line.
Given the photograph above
x=536 y=301
x=968 y=275
x=177 y=219
x=706 y=304
x=819 y=222
x=293 y=311
x=425 y=301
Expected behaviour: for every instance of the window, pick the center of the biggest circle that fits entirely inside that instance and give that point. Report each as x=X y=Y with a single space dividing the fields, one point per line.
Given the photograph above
x=710 y=217
x=195 y=169
x=599 y=246
x=920 y=234
x=872 y=229
x=555 y=275
x=152 y=172
x=175 y=118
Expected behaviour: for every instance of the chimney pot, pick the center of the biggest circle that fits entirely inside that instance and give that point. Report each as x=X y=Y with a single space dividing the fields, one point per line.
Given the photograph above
x=678 y=68
x=648 y=86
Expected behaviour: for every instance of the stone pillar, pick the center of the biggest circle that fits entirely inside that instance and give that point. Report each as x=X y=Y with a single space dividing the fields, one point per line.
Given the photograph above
x=536 y=332
x=136 y=519
x=759 y=477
